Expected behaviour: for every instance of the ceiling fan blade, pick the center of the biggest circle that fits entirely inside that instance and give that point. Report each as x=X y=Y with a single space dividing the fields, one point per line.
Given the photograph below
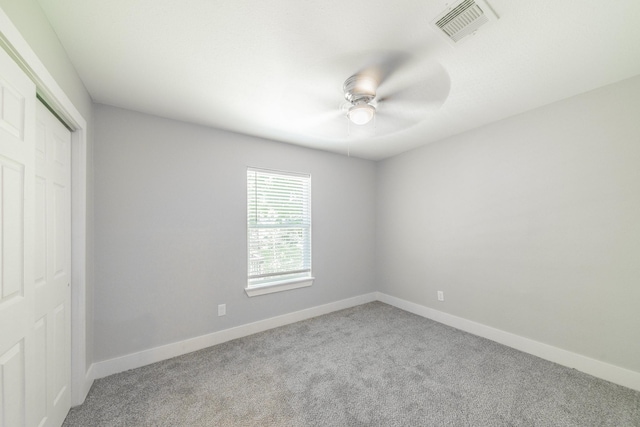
x=303 y=104
x=390 y=122
x=380 y=66
x=398 y=113
x=422 y=81
x=316 y=120
x=414 y=109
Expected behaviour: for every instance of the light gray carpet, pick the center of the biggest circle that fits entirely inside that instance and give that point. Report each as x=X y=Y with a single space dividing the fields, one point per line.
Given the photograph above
x=372 y=365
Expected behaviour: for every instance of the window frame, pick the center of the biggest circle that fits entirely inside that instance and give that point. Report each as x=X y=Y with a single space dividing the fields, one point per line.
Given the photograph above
x=278 y=284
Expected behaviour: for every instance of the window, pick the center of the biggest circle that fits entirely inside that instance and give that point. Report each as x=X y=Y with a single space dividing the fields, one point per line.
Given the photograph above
x=278 y=231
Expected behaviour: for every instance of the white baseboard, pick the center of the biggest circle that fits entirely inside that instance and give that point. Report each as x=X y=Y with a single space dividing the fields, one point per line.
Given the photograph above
x=605 y=371
x=157 y=354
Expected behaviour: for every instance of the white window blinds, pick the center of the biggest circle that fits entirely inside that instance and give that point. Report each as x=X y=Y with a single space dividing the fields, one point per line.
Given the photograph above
x=278 y=226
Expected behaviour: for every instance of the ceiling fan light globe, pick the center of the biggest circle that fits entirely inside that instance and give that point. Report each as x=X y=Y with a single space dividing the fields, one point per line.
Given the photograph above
x=361 y=114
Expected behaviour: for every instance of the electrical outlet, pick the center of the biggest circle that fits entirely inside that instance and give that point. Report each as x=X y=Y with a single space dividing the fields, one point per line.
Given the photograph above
x=222 y=309
x=440 y=296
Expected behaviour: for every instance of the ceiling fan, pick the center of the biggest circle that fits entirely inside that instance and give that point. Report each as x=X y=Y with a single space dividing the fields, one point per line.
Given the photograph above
x=361 y=88
x=389 y=92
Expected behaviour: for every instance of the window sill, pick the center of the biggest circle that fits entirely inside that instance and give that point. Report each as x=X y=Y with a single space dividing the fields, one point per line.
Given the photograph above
x=279 y=286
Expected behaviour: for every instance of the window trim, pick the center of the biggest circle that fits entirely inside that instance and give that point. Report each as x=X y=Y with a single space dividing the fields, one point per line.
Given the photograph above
x=285 y=284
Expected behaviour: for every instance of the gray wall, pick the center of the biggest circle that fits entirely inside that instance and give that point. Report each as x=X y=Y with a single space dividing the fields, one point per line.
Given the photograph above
x=530 y=225
x=171 y=229
x=32 y=23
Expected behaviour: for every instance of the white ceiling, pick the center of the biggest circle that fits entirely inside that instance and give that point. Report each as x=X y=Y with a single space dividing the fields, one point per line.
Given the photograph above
x=267 y=68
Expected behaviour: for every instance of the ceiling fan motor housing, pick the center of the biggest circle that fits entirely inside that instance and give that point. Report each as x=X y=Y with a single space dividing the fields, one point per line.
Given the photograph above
x=360 y=87
x=360 y=90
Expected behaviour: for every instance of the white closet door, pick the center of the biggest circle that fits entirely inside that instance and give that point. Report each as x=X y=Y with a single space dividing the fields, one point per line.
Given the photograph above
x=34 y=257
x=17 y=333
x=52 y=265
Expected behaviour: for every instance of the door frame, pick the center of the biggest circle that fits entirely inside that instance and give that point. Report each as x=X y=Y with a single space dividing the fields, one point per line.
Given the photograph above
x=47 y=88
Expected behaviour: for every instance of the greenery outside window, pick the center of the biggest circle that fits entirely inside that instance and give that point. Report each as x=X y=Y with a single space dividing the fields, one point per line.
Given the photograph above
x=278 y=231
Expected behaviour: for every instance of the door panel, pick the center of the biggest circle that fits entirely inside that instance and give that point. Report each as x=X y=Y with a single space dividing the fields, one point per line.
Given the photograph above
x=13 y=116
x=35 y=257
x=17 y=134
x=13 y=243
x=40 y=370
x=40 y=231
x=52 y=236
x=12 y=374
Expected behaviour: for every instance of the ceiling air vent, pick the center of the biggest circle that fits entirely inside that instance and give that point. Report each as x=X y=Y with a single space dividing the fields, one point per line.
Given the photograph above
x=463 y=19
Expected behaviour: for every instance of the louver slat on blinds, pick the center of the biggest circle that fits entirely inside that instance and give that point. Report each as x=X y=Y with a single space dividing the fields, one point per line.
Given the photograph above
x=279 y=226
